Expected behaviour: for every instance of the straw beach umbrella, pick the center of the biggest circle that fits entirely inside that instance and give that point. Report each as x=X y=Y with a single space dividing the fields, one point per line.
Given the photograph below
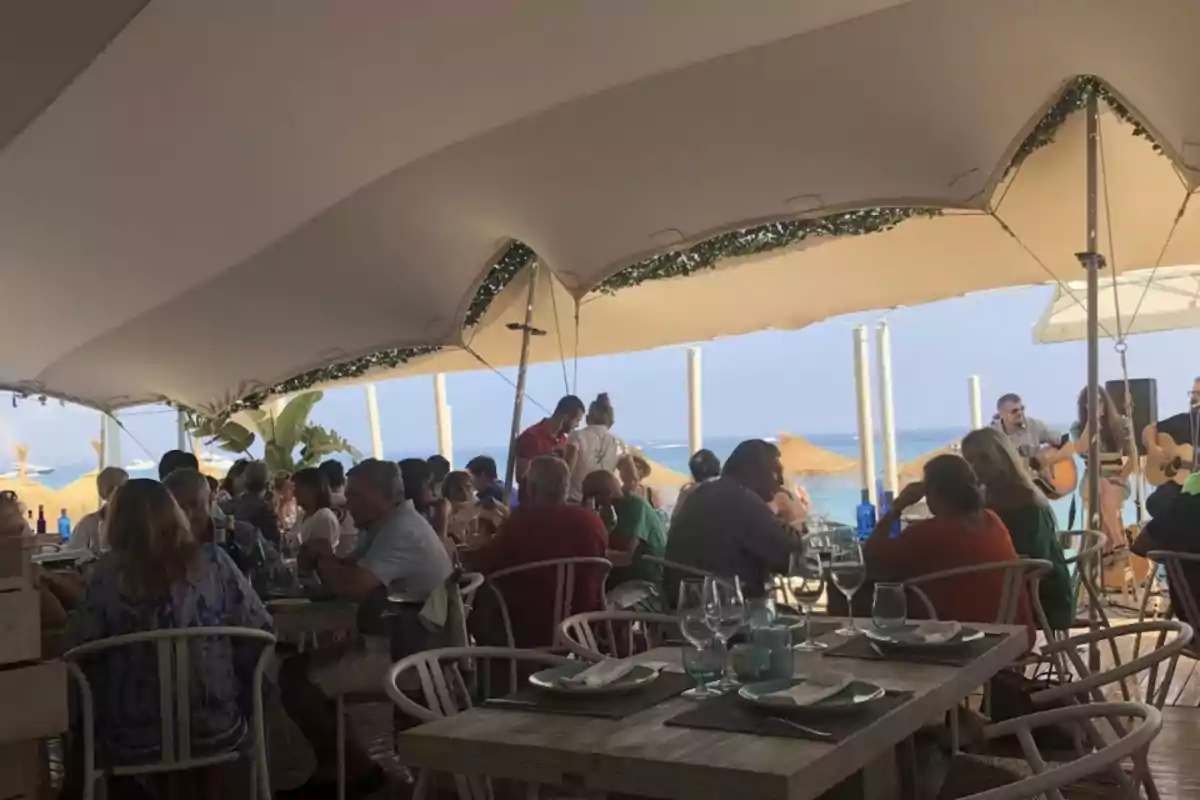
x=914 y=470
x=803 y=459
x=660 y=475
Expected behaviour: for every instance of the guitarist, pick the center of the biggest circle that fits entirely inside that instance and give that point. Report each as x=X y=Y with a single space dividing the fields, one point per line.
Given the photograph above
x=1036 y=442
x=1184 y=429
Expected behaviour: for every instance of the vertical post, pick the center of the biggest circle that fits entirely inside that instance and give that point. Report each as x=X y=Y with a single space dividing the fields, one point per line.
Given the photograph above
x=181 y=437
x=112 y=440
x=442 y=413
x=103 y=440
x=695 y=431
x=887 y=407
x=866 y=425
x=519 y=402
x=373 y=420
x=975 y=401
x=1093 y=262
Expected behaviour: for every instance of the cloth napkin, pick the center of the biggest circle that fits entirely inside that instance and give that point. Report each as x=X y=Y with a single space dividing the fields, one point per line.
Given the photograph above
x=812 y=689
x=936 y=632
x=602 y=673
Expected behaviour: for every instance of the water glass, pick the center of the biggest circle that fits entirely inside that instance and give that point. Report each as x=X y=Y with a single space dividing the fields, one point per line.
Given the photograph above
x=806 y=583
x=704 y=665
x=889 y=609
x=777 y=642
x=693 y=608
x=727 y=614
x=849 y=572
x=760 y=613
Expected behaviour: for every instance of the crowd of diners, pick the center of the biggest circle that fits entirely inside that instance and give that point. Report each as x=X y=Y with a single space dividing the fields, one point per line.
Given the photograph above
x=187 y=551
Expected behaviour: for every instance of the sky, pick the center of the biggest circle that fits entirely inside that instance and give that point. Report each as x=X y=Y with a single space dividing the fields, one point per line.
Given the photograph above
x=761 y=384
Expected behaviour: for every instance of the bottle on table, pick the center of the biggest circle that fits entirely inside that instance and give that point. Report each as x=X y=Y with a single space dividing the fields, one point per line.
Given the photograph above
x=64 y=526
x=41 y=519
x=865 y=515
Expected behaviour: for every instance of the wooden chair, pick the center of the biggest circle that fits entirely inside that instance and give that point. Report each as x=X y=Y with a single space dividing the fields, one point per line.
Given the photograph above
x=1023 y=574
x=1046 y=780
x=1085 y=567
x=625 y=596
x=451 y=680
x=175 y=704
x=596 y=635
x=565 y=572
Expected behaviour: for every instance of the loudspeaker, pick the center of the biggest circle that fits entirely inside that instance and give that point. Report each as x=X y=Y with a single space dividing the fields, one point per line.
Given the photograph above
x=1145 y=404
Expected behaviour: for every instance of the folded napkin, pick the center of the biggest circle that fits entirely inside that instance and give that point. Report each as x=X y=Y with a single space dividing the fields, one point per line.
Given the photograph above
x=811 y=689
x=600 y=674
x=936 y=632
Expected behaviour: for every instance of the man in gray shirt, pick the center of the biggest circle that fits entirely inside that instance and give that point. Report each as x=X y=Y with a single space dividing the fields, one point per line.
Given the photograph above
x=1027 y=435
x=728 y=529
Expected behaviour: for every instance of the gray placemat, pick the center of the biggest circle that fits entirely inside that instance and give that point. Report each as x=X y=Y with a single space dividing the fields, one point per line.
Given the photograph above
x=861 y=647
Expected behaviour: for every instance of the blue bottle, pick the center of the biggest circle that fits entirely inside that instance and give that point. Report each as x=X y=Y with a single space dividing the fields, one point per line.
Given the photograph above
x=64 y=527
x=865 y=514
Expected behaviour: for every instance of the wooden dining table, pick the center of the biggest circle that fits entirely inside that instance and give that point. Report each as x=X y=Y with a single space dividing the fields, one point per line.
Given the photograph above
x=640 y=755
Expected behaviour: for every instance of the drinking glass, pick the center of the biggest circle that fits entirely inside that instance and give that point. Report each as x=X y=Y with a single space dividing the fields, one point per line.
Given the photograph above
x=726 y=616
x=694 y=608
x=848 y=571
x=806 y=582
x=889 y=609
x=760 y=613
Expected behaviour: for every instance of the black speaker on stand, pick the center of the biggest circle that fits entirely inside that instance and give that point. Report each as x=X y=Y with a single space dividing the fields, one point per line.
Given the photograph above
x=1144 y=392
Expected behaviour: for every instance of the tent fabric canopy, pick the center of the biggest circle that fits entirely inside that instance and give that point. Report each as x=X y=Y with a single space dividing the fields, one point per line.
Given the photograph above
x=1144 y=301
x=198 y=200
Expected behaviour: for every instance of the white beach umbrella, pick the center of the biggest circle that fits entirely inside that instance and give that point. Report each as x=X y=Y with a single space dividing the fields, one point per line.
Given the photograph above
x=198 y=200
x=1144 y=301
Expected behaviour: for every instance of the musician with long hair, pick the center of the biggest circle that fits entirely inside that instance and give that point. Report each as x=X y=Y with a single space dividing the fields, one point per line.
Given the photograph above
x=1118 y=457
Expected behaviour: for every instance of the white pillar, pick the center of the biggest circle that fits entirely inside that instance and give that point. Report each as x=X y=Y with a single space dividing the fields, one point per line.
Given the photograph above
x=887 y=409
x=976 y=402
x=866 y=425
x=103 y=454
x=181 y=437
x=112 y=441
x=445 y=442
x=373 y=421
x=695 y=430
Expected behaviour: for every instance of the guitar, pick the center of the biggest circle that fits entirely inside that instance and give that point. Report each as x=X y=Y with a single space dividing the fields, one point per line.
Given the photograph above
x=1175 y=463
x=1055 y=477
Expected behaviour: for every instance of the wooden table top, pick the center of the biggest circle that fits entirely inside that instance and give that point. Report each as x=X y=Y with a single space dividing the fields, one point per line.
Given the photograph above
x=640 y=755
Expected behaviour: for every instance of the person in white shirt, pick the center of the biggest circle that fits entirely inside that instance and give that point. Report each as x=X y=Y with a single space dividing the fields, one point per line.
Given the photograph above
x=593 y=448
x=313 y=496
x=335 y=473
x=89 y=531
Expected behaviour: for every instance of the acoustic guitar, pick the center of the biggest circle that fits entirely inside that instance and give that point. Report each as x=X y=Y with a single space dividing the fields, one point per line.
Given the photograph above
x=1174 y=465
x=1057 y=479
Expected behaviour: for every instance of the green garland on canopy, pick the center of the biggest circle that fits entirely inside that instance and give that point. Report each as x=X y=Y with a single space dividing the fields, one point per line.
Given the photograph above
x=707 y=254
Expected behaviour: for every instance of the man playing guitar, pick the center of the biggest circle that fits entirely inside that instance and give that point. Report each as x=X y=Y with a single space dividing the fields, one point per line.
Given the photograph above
x=1171 y=454
x=1040 y=445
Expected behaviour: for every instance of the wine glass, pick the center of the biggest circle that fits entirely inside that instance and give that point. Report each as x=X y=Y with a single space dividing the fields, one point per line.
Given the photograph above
x=806 y=583
x=727 y=615
x=694 y=615
x=849 y=572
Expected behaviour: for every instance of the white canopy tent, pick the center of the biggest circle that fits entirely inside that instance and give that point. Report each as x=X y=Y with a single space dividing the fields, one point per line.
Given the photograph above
x=1143 y=301
x=198 y=200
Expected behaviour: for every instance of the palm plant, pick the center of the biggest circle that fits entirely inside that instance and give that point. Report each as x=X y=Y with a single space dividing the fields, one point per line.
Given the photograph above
x=283 y=427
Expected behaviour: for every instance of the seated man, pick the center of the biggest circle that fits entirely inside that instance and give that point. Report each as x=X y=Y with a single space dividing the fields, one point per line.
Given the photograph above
x=398 y=553
x=728 y=528
x=637 y=531
x=542 y=528
x=488 y=485
x=1176 y=528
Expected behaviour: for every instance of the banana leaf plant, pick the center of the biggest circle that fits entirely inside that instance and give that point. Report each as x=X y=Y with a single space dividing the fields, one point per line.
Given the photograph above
x=290 y=441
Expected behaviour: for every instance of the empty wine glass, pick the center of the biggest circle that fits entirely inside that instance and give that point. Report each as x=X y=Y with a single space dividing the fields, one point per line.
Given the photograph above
x=727 y=615
x=806 y=583
x=849 y=572
x=694 y=623
x=889 y=609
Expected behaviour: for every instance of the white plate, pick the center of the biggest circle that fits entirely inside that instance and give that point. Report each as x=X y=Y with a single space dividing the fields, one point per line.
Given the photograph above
x=903 y=639
x=551 y=680
x=856 y=694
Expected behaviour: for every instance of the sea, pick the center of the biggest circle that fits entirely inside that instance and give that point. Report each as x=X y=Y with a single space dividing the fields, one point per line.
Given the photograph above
x=834 y=496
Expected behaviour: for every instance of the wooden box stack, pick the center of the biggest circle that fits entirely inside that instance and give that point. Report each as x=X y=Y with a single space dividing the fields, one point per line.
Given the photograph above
x=33 y=693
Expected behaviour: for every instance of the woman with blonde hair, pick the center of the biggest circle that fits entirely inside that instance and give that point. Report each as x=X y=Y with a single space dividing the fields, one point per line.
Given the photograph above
x=155 y=576
x=1118 y=456
x=593 y=448
x=1009 y=491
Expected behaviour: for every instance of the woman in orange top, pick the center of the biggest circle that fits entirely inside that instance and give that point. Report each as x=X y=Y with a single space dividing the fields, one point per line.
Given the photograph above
x=961 y=533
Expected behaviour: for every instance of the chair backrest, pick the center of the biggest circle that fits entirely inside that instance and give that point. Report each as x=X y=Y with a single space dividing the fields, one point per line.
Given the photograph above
x=1182 y=593
x=694 y=572
x=1046 y=781
x=626 y=595
x=1087 y=548
x=1023 y=574
x=597 y=634
x=174 y=686
x=1088 y=685
x=565 y=574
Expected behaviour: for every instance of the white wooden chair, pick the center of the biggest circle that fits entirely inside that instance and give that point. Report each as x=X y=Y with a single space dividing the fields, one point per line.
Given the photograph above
x=1085 y=567
x=625 y=596
x=1143 y=723
x=1023 y=574
x=596 y=635
x=566 y=571
x=175 y=704
x=451 y=680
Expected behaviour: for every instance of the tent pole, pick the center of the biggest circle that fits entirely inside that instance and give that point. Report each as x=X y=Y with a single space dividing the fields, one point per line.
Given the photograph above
x=866 y=425
x=519 y=402
x=373 y=420
x=887 y=410
x=103 y=440
x=695 y=437
x=976 y=403
x=181 y=438
x=442 y=412
x=1093 y=262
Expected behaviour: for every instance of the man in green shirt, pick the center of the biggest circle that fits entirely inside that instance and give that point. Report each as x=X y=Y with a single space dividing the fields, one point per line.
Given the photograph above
x=637 y=530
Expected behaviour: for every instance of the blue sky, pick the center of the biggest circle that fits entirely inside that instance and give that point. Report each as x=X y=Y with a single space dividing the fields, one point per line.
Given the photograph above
x=798 y=381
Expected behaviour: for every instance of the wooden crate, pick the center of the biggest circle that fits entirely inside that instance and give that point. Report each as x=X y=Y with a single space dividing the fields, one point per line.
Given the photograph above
x=34 y=700
x=20 y=771
x=20 y=627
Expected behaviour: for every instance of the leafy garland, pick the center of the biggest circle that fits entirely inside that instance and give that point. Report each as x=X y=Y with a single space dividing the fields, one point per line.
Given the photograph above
x=707 y=254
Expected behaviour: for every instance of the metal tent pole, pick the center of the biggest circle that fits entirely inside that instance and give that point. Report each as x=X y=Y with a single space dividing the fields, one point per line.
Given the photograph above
x=518 y=404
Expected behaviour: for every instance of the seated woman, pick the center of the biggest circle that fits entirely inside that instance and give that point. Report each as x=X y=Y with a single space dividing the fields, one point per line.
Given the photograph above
x=633 y=468
x=1026 y=513
x=961 y=533
x=634 y=531
x=315 y=500
x=155 y=576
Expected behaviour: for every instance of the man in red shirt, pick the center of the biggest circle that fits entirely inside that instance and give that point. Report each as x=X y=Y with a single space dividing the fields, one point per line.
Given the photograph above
x=548 y=437
x=543 y=527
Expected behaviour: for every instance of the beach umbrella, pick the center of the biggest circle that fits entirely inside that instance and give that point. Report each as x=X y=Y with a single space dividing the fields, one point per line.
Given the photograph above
x=914 y=470
x=661 y=475
x=600 y=137
x=1144 y=301
x=802 y=459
